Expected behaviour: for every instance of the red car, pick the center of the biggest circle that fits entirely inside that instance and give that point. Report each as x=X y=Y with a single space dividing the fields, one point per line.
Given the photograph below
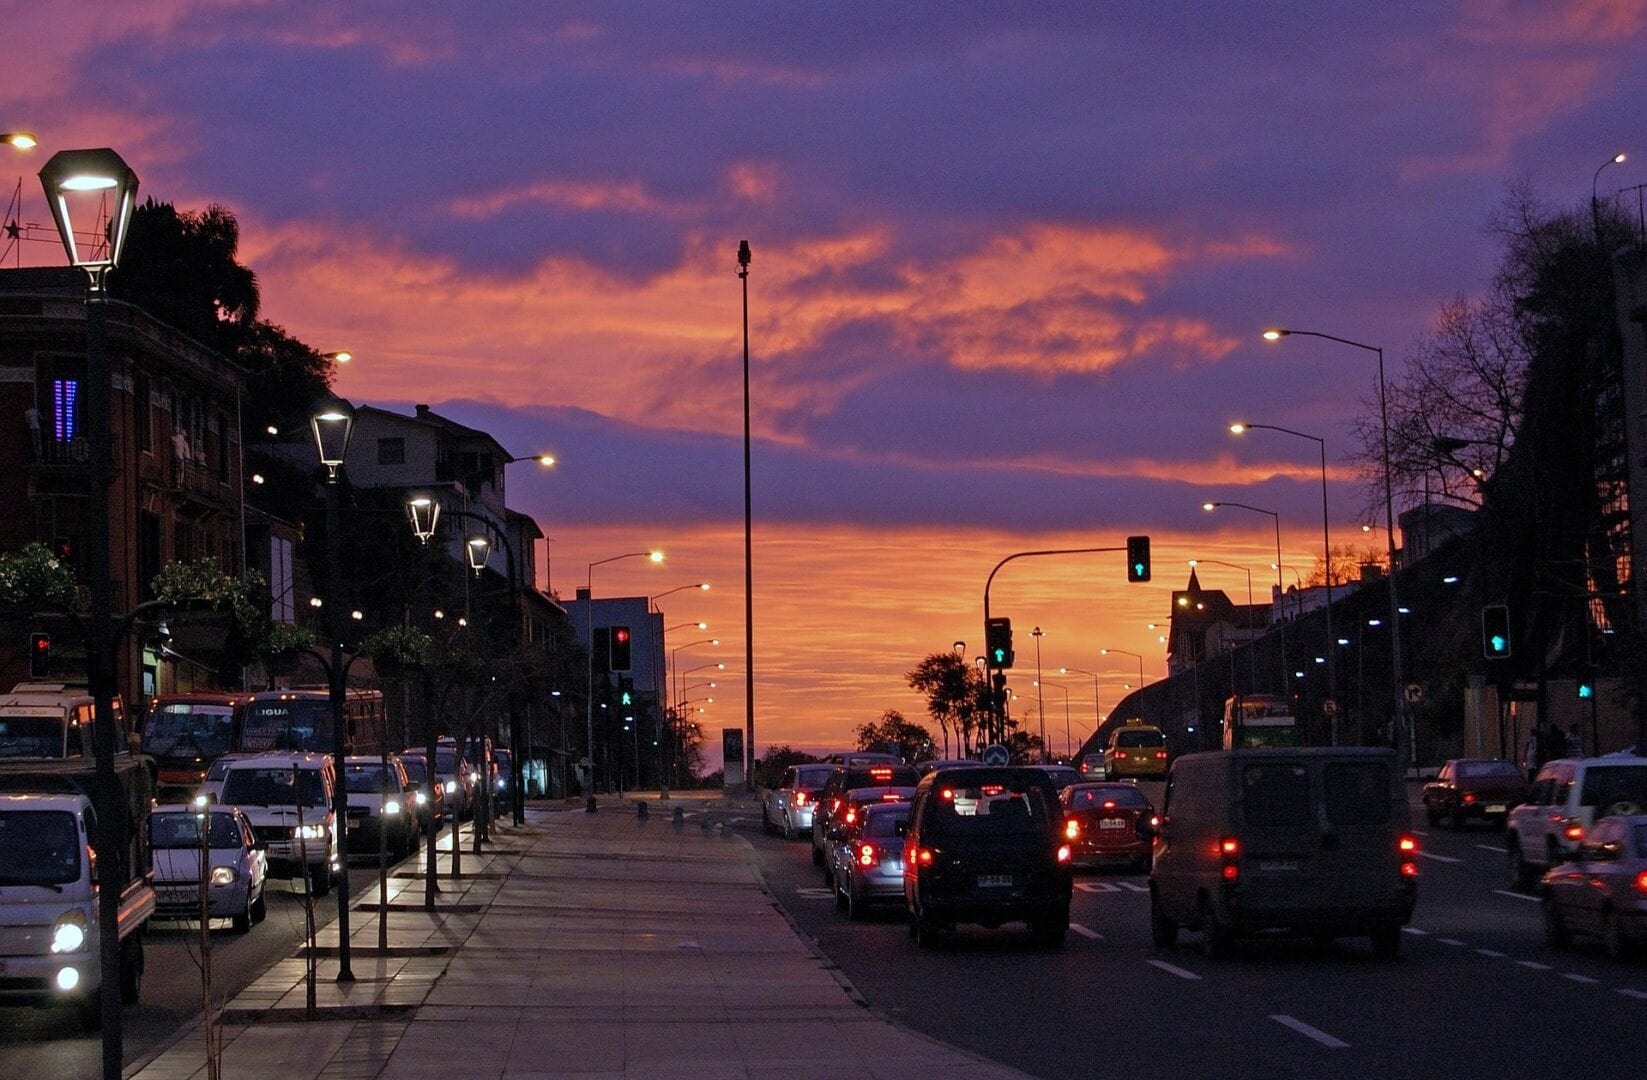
x=1474 y=787
x=1107 y=824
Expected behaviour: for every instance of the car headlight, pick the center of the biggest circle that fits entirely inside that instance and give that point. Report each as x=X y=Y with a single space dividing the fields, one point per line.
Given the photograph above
x=474 y=778
x=69 y=933
x=421 y=798
x=67 y=979
x=451 y=786
x=225 y=875
x=309 y=832
x=390 y=807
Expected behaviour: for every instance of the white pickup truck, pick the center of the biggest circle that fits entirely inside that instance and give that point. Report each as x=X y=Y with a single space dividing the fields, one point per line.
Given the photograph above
x=50 y=873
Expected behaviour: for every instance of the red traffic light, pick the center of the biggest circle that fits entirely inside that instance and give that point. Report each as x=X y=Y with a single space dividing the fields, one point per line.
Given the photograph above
x=620 y=634
x=39 y=655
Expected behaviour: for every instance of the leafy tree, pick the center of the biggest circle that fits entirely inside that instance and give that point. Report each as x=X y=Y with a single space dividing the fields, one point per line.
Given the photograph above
x=911 y=742
x=182 y=268
x=1024 y=748
x=954 y=692
x=285 y=378
x=771 y=764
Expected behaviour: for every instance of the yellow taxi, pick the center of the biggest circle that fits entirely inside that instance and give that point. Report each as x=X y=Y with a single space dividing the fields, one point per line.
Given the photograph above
x=1136 y=749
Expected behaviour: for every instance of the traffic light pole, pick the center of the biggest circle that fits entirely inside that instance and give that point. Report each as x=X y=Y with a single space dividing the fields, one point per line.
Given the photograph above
x=998 y=699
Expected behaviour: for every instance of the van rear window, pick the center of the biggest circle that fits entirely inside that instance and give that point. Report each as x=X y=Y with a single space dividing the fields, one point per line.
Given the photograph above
x=1276 y=795
x=1357 y=794
x=1140 y=738
x=1615 y=789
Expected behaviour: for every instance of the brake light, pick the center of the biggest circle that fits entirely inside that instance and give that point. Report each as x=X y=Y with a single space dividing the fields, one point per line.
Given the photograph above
x=881 y=773
x=946 y=793
x=1229 y=845
x=1229 y=849
x=1072 y=829
x=1120 y=755
x=923 y=856
x=1409 y=869
x=867 y=855
x=1469 y=797
x=1109 y=804
x=852 y=815
x=1574 y=830
x=1161 y=754
x=1154 y=821
x=892 y=797
x=800 y=798
x=1407 y=845
x=1641 y=882
x=993 y=789
x=1063 y=853
x=1231 y=871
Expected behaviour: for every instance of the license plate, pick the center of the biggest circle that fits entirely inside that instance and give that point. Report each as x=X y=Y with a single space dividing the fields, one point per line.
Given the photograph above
x=1278 y=864
x=1497 y=808
x=994 y=881
x=1112 y=823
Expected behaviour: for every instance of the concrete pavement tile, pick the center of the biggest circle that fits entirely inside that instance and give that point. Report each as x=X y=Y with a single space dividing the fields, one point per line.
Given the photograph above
x=280 y=1052
x=569 y=1047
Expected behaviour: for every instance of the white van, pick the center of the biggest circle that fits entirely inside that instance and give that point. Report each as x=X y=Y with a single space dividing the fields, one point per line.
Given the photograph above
x=288 y=800
x=1567 y=798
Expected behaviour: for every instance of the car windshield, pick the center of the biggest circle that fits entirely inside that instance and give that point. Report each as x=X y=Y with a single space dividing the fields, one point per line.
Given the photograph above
x=182 y=830
x=188 y=730
x=369 y=779
x=1140 y=738
x=31 y=736
x=989 y=808
x=415 y=770
x=1482 y=770
x=1062 y=777
x=1276 y=795
x=445 y=762
x=1615 y=789
x=38 y=847
x=1097 y=798
x=886 y=824
x=219 y=769
x=260 y=786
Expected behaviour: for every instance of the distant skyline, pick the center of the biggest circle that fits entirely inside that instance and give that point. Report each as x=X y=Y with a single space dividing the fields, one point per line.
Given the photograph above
x=1010 y=263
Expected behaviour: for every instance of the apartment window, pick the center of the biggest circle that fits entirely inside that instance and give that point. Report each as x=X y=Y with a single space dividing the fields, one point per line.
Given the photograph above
x=65 y=411
x=391 y=451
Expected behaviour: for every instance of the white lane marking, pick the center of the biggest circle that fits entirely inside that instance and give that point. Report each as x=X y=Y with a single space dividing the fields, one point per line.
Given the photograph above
x=1171 y=969
x=1415 y=931
x=815 y=894
x=1578 y=978
x=1637 y=994
x=1311 y=1032
x=1514 y=895
x=1494 y=848
x=1449 y=941
x=1438 y=858
x=1096 y=887
x=1416 y=832
x=1494 y=953
x=1084 y=932
x=1134 y=887
x=1533 y=965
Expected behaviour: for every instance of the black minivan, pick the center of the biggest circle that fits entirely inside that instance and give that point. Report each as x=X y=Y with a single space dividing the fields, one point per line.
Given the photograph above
x=985 y=846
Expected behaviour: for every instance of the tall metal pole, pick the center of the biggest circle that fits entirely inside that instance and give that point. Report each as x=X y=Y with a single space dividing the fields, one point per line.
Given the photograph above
x=340 y=736
x=748 y=546
x=589 y=694
x=1040 y=701
x=1400 y=735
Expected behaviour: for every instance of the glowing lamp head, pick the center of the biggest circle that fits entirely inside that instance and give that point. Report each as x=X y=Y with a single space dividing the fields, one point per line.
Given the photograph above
x=655 y=556
x=1275 y=335
x=23 y=140
x=1238 y=428
x=546 y=460
x=82 y=185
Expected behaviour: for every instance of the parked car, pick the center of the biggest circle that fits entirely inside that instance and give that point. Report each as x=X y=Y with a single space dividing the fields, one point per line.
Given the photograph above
x=787 y=807
x=1468 y=788
x=383 y=802
x=866 y=858
x=985 y=846
x=288 y=799
x=1107 y=824
x=236 y=868
x=1602 y=892
x=1566 y=798
x=845 y=778
x=1310 y=840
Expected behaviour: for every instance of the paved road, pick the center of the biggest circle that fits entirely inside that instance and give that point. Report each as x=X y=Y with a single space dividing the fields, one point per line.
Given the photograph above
x=1476 y=992
x=46 y=1044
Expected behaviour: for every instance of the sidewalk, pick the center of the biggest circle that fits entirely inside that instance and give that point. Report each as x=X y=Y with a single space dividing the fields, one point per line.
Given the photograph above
x=584 y=945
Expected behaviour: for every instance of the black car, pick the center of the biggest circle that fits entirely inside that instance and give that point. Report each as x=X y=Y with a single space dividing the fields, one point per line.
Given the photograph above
x=849 y=778
x=985 y=846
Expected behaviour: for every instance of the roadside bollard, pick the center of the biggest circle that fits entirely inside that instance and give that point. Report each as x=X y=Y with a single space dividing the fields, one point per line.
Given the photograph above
x=641 y=811
x=679 y=818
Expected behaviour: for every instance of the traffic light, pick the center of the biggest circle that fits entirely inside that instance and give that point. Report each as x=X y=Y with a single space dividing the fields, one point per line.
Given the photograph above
x=1137 y=558
x=998 y=642
x=1586 y=689
x=1495 y=632
x=620 y=649
x=39 y=655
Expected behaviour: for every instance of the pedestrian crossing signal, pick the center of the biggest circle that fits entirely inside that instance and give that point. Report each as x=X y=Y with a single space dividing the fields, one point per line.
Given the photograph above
x=1137 y=558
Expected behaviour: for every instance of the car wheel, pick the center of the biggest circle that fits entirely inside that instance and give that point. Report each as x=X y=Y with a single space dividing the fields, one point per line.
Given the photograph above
x=1052 y=930
x=242 y=922
x=1162 y=930
x=1458 y=819
x=1432 y=814
x=1612 y=936
x=1386 y=941
x=260 y=906
x=925 y=928
x=131 y=969
x=857 y=903
x=1215 y=936
x=1522 y=875
x=320 y=881
x=1556 y=934
x=817 y=854
x=788 y=827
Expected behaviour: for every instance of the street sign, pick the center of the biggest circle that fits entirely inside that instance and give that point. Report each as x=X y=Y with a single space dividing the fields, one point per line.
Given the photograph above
x=996 y=754
x=1414 y=693
x=1329 y=707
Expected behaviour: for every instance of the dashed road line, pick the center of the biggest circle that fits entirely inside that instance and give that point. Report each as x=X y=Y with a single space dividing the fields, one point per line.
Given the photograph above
x=1449 y=941
x=1494 y=953
x=1637 y=994
x=1415 y=931
x=1134 y=886
x=1438 y=858
x=1091 y=935
x=1533 y=965
x=1494 y=848
x=1573 y=975
x=1172 y=969
x=1315 y=1033
x=1514 y=895
x=1420 y=832
x=1097 y=887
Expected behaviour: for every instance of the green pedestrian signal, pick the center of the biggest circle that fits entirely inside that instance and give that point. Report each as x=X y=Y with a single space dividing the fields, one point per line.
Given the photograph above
x=998 y=643
x=1137 y=558
x=1495 y=631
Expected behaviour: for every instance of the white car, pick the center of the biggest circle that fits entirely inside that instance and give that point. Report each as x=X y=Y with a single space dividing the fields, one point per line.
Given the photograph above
x=381 y=804
x=236 y=873
x=288 y=799
x=212 y=785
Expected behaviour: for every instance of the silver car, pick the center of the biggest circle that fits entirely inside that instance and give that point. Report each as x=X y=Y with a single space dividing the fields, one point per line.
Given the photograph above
x=787 y=808
x=867 y=858
x=1602 y=891
x=236 y=873
x=854 y=803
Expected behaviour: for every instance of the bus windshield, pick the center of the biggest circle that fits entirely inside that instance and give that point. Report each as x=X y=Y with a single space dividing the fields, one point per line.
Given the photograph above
x=185 y=729
x=295 y=724
x=31 y=736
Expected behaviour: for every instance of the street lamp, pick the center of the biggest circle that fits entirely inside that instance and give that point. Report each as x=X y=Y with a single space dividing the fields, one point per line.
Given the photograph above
x=1094 y=674
x=589 y=686
x=1136 y=656
x=1397 y=686
x=1039 y=708
x=1595 y=200
x=1280 y=585
x=424 y=513
x=478 y=550
x=1068 y=748
x=339 y=356
x=70 y=176
x=1252 y=654
x=748 y=541
x=703 y=585
x=333 y=423
x=22 y=140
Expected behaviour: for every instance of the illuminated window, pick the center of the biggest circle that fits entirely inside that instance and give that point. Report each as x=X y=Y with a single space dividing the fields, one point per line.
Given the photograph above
x=64 y=412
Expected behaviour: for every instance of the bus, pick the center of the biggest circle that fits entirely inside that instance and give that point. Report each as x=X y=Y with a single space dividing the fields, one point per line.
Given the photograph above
x=1259 y=720
x=300 y=721
x=185 y=734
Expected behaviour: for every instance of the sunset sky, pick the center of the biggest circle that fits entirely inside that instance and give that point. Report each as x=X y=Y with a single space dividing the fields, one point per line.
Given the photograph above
x=1010 y=265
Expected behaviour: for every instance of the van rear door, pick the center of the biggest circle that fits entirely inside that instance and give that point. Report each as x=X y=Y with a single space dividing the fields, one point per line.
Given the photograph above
x=1358 y=859
x=1279 y=833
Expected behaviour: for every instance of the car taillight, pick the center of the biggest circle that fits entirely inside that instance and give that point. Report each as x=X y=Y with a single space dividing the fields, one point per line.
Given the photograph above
x=1161 y=754
x=1229 y=846
x=1574 y=829
x=892 y=797
x=1641 y=882
x=881 y=774
x=1108 y=804
x=1231 y=871
x=1120 y=755
x=946 y=793
x=867 y=855
x=1063 y=853
x=923 y=856
x=1229 y=850
x=1072 y=829
x=852 y=815
x=1469 y=797
x=1409 y=869
x=800 y=798
x=1154 y=821
x=1407 y=845
x=993 y=789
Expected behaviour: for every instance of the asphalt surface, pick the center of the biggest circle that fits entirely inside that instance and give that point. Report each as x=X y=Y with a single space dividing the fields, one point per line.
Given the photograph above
x=1475 y=992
